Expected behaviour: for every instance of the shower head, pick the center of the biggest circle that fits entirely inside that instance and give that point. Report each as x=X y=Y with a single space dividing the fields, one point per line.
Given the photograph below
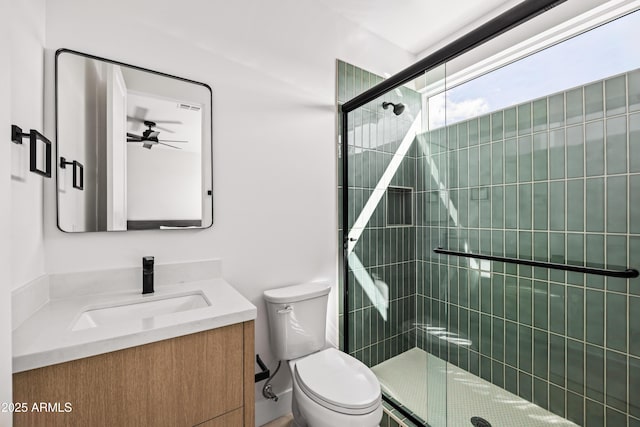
x=397 y=108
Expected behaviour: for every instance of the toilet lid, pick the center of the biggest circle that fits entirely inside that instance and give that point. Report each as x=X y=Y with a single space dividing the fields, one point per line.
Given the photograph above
x=338 y=381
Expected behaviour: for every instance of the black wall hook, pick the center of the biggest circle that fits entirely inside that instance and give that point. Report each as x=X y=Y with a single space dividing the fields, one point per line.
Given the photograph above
x=34 y=136
x=78 y=172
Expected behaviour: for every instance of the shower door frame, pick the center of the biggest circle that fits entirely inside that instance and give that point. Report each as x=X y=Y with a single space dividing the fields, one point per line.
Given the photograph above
x=513 y=17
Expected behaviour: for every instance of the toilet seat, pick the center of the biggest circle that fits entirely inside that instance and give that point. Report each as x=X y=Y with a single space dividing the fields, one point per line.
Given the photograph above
x=338 y=382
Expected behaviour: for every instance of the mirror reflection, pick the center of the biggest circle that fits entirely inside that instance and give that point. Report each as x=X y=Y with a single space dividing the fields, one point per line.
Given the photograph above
x=138 y=140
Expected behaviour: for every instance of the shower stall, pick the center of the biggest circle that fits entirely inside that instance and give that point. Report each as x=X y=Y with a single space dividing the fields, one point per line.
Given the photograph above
x=490 y=227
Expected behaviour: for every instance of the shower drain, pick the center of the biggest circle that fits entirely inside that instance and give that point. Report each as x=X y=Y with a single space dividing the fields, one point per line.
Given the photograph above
x=480 y=422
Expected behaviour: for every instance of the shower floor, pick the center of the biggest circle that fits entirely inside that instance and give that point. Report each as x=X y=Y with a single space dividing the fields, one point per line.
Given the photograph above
x=404 y=378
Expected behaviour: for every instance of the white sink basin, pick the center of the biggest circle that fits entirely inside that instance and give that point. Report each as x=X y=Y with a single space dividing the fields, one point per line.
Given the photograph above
x=138 y=310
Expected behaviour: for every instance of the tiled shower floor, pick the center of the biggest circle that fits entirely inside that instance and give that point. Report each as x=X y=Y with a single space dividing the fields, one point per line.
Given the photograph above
x=405 y=378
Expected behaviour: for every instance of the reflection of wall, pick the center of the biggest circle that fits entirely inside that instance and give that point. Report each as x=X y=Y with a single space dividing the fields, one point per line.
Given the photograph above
x=163 y=184
x=81 y=90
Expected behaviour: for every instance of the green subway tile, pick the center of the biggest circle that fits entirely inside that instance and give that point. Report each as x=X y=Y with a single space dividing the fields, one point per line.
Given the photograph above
x=557 y=350
x=524 y=119
x=473 y=132
x=540 y=157
x=575 y=366
x=485 y=164
x=634 y=207
x=525 y=159
x=616 y=95
x=485 y=368
x=511 y=298
x=510 y=122
x=540 y=354
x=540 y=206
x=557 y=400
x=525 y=386
x=541 y=393
x=557 y=254
x=541 y=253
x=595 y=317
x=634 y=143
x=497 y=295
x=511 y=206
x=634 y=326
x=497 y=128
x=575 y=151
x=594 y=375
x=497 y=207
x=616 y=322
x=616 y=389
x=485 y=335
x=617 y=204
x=525 y=301
x=510 y=161
x=524 y=206
x=615 y=418
x=497 y=169
x=634 y=260
x=525 y=350
x=595 y=201
x=594 y=258
x=574 y=110
x=594 y=148
x=575 y=205
x=556 y=205
x=497 y=374
x=634 y=384
x=540 y=115
x=540 y=304
x=594 y=414
x=498 y=339
x=511 y=380
x=511 y=250
x=575 y=312
x=556 y=110
x=474 y=166
x=633 y=87
x=474 y=330
x=556 y=154
x=485 y=129
x=575 y=256
x=616 y=145
x=617 y=260
x=463 y=168
x=525 y=251
x=575 y=408
x=593 y=101
x=556 y=308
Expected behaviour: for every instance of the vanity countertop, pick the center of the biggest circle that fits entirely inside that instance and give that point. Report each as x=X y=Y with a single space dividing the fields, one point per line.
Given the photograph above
x=47 y=337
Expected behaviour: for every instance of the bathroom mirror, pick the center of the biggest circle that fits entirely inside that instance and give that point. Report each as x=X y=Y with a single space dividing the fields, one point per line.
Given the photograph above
x=133 y=147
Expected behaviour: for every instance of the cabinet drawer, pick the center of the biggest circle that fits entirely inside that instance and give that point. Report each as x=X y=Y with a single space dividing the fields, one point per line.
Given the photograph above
x=177 y=382
x=231 y=419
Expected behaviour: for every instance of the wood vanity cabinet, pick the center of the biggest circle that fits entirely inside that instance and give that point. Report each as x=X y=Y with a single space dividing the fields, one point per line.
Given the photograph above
x=204 y=379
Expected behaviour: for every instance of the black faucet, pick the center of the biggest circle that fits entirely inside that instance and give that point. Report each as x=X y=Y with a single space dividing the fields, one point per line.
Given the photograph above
x=147 y=275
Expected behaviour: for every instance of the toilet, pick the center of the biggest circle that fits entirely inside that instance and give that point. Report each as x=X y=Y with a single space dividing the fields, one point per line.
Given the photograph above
x=330 y=388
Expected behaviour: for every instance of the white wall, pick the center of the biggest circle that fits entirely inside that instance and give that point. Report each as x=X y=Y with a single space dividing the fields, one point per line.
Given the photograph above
x=272 y=69
x=21 y=204
x=5 y=217
x=27 y=26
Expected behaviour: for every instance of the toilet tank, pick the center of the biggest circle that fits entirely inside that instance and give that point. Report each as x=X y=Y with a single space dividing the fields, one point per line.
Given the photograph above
x=297 y=319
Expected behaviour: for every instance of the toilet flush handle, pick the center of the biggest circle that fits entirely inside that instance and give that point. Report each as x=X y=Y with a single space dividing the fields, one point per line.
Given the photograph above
x=285 y=310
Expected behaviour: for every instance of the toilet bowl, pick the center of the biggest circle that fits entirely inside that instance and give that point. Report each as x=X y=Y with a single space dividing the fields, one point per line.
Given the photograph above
x=330 y=388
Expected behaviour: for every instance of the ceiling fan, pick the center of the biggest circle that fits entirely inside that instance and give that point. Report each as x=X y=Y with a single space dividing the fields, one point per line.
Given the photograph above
x=149 y=137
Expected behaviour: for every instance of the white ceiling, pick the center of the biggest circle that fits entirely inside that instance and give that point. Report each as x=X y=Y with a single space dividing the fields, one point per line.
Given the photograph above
x=417 y=25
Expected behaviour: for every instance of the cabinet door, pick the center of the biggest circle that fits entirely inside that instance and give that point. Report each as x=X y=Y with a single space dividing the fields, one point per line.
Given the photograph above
x=177 y=382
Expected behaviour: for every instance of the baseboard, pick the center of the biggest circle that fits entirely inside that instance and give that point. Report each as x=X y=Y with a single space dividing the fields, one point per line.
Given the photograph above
x=268 y=410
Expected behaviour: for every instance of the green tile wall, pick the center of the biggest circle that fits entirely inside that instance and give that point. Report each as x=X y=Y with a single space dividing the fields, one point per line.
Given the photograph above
x=557 y=178
x=387 y=252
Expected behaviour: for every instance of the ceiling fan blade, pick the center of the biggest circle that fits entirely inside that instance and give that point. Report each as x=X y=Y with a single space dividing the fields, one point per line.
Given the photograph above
x=152 y=134
x=168 y=122
x=134 y=136
x=169 y=145
x=164 y=129
x=147 y=146
x=174 y=140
